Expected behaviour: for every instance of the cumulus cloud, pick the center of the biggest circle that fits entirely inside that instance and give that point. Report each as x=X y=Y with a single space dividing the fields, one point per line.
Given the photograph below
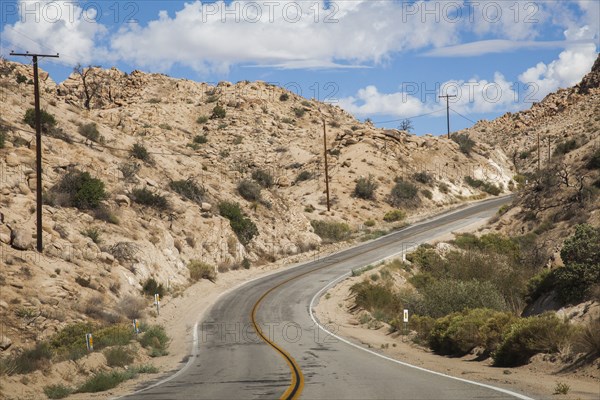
x=572 y=64
x=46 y=26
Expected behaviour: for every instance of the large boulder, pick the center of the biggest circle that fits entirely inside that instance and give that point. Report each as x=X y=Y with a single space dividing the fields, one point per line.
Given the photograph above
x=21 y=239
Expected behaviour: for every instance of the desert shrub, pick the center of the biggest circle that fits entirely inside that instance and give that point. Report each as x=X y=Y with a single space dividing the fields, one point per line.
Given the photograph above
x=58 y=391
x=444 y=188
x=458 y=333
x=152 y=287
x=445 y=296
x=129 y=170
x=112 y=335
x=365 y=188
x=104 y=381
x=2 y=139
x=594 y=161
x=423 y=177
x=403 y=193
x=565 y=147
x=132 y=307
x=394 y=216
x=200 y=270
x=331 y=231
x=155 y=339
x=202 y=119
x=47 y=120
x=587 y=339
x=583 y=246
x=465 y=143
x=370 y=223
x=264 y=178
x=140 y=152
x=93 y=233
x=147 y=197
x=304 y=176
x=218 y=112
x=422 y=325
x=249 y=190
x=573 y=282
x=31 y=359
x=427 y=193
x=486 y=187
x=81 y=190
x=21 y=78
x=90 y=131
x=241 y=225
x=188 y=189
x=299 y=112
x=284 y=97
x=376 y=298
x=154 y=100
x=200 y=139
x=119 y=356
x=529 y=336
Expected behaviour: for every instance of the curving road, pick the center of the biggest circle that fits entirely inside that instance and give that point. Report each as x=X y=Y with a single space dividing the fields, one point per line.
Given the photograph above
x=260 y=341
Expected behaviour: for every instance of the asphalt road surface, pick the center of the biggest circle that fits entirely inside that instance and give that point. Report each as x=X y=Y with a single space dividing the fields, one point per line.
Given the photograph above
x=260 y=341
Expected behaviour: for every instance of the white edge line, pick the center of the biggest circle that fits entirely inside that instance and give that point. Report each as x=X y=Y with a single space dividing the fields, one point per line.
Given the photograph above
x=194 y=352
x=344 y=276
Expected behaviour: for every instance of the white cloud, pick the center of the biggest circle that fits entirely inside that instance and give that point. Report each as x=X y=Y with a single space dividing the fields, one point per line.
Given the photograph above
x=572 y=64
x=498 y=46
x=47 y=26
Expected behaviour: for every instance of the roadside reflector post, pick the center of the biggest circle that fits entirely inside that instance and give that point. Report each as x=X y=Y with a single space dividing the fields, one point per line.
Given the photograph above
x=136 y=326
x=157 y=303
x=405 y=319
x=89 y=341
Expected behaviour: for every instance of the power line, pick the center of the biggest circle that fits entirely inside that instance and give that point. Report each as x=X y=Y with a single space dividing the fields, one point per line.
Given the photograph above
x=402 y=119
x=467 y=118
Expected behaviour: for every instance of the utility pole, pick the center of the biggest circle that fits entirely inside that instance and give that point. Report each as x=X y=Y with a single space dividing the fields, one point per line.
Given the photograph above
x=448 y=111
x=38 y=141
x=326 y=168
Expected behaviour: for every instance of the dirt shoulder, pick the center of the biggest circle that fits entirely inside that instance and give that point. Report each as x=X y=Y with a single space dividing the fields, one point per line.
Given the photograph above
x=537 y=379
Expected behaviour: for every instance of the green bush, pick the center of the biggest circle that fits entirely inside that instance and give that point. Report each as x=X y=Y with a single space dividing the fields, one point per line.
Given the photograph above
x=529 y=336
x=394 y=216
x=47 y=120
x=90 y=131
x=486 y=187
x=118 y=356
x=284 y=97
x=365 y=188
x=427 y=193
x=264 y=178
x=218 y=112
x=93 y=233
x=188 y=189
x=465 y=143
x=155 y=339
x=423 y=177
x=444 y=188
x=304 y=176
x=31 y=360
x=249 y=190
x=594 y=161
x=104 y=381
x=200 y=270
x=445 y=296
x=81 y=190
x=583 y=246
x=2 y=139
x=140 y=152
x=202 y=119
x=299 y=112
x=566 y=147
x=403 y=193
x=331 y=231
x=21 y=78
x=200 y=139
x=59 y=391
x=147 y=197
x=152 y=287
x=241 y=225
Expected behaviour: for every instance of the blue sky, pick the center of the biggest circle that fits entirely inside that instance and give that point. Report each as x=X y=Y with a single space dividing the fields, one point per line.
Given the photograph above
x=383 y=60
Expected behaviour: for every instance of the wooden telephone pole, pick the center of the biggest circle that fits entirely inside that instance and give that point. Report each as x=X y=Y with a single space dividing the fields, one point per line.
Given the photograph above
x=326 y=167
x=448 y=111
x=38 y=141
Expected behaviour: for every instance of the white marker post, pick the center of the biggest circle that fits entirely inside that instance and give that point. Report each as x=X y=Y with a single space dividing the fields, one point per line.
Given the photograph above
x=89 y=341
x=157 y=302
x=405 y=319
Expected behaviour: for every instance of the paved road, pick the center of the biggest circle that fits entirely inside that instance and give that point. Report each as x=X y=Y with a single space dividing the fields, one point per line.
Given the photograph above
x=295 y=357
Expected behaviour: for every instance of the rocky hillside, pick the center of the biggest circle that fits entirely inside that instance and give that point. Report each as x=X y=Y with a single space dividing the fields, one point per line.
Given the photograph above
x=142 y=174
x=564 y=192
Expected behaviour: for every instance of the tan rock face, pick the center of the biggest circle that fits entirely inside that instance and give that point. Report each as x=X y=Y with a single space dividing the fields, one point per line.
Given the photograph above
x=21 y=239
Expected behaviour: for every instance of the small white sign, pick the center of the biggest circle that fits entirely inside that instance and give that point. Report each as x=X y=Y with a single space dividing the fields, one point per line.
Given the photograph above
x=405 y=316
